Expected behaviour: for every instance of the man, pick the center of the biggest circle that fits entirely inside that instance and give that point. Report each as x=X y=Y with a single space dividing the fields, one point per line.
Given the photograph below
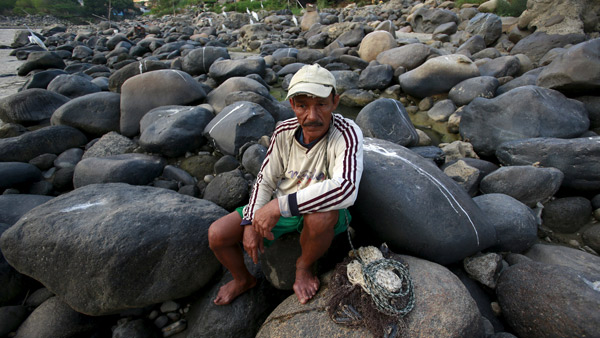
x=313 y=165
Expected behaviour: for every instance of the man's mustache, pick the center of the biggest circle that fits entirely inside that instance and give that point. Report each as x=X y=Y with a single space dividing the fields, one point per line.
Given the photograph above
x=313 y=124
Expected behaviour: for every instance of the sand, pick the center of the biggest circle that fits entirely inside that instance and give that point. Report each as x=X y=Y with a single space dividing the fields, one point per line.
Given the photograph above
x=10 y=82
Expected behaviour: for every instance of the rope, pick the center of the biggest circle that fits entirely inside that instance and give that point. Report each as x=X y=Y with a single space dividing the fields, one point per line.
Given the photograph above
x=382 y=297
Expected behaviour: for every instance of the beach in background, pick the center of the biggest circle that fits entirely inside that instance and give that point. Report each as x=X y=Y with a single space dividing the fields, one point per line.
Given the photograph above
x=10 y=82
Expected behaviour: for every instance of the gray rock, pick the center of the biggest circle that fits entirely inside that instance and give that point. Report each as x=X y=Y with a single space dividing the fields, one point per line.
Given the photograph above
x=14 y=206
x=473 y=45
x=536 y=45
x=11 y=317
x=135 y=329
x=425 y=20
x=44 y=161
x=467 y=90
x=419 y=186
x=253 y=158
x=578 y=260
x=13 y=283
x=40 y=60
x=438 y=75
x=56 y=319
x=136 y=169
x=387 y=119
x=228 y=190
x=72 y=85
x=53 y=139
x=11 y=130
x=222 y=70
x=199 y=166
x=30 y=106
x=527 y=79
x=577 y=158
x=174 y=130
x=178 y=174
x=441 y=110
x=16 y=173
x=95 y=114
x=527 y=184
x=465 y=176
x=376 y=77
x=567 y=214
x=501 y=66
x=490 y=53
x=217 y=98
x=572 y=71
x=309 y=56
x=488 y=25
x=237 y=125
x=108 y=145
x=592 y=105
x=116 y=80
x=42 y=79
x=280 y=112
x=354 y=62
x=540 y=300
x=225 y=164
x=484 y=268
x=515 y=223
x=409 y=56
x=444 y=308
x=144 y=245
x=357 y=97
x=37 y=297
x=282 y=53
x=146 y=91
x=63 y=179
x=68 y=158
x=345 y=80
x=591 y=237
x=524 y=112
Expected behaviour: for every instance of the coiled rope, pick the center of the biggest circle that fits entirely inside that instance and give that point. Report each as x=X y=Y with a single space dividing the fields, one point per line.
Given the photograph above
x=383 y=294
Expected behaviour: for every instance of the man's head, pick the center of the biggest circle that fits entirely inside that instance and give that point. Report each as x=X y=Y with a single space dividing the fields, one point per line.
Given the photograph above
x=313 y=98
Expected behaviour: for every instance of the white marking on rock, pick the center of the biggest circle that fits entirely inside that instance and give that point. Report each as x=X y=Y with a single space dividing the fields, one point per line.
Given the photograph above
x=82 y=206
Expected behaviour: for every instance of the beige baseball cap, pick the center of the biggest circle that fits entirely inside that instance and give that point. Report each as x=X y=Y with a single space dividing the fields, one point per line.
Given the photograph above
x=312 y=80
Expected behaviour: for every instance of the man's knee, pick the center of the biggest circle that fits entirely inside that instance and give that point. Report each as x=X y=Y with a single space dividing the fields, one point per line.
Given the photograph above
x=224 y=231
x=321 y=221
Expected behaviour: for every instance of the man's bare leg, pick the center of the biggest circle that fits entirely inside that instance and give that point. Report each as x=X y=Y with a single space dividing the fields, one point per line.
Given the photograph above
x=315 y=239
x=224 y=236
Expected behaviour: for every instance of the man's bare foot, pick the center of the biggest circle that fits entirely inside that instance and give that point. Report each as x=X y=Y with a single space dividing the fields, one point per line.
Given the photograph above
x=228 y=292
x=306 y=285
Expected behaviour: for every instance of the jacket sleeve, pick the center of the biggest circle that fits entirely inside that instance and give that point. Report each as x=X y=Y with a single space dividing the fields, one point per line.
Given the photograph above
x=341 y=189
x=268 y=176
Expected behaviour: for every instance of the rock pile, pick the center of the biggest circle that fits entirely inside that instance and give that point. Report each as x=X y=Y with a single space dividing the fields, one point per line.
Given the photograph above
x=129 y=139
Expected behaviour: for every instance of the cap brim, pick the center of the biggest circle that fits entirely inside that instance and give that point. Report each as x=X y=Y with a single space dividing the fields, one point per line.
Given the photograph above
x=309 y=89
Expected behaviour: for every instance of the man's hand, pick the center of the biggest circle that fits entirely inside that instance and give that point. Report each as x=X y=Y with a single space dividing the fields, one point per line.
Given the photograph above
x=252 y=242
x=265 y=219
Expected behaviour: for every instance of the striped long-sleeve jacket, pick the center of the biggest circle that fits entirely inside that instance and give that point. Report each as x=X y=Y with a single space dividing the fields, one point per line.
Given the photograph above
x=324 y=178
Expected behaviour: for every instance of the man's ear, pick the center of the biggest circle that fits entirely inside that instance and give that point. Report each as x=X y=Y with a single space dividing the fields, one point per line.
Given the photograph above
x=336 y=101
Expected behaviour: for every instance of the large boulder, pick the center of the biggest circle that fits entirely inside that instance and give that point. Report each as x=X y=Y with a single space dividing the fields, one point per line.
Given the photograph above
x=52 y=139
x=443 y=308
x=14 y=206
x=536 y=45
x=375 y=43
x=564 y=256
x=524 y=112
x=578 y=159
x=438 y=75
x=487 y=25
x=515 y=223
x=146 y=91
x=116 y=79
x=217 y=97
x=105 y=248
x=528 y=184
x=237 y=125
x=199 y=60
x=228 y=190
x=41 y=60
x=543 y=300
x=387 y=119
x=110 y=144
x=174 y=130
x=421 y=211
x=136 y=169
x=408 y=56
x=222 y=70
x=73 y=85
x=17 y=173
x=576 y=71
x=95 y=114
x=426 y=20
x=560 y=17
x=30 y=106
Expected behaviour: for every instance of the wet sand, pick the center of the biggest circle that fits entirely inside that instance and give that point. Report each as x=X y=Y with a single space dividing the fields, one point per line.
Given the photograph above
x=10 y=82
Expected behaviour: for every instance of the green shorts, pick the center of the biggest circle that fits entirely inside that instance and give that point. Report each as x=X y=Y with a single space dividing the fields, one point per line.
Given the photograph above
x=295 y=223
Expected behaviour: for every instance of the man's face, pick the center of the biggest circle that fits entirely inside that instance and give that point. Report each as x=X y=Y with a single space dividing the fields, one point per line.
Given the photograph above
x=314 y=114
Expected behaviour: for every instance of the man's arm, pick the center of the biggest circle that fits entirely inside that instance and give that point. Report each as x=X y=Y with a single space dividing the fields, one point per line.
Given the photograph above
x=341 y=189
